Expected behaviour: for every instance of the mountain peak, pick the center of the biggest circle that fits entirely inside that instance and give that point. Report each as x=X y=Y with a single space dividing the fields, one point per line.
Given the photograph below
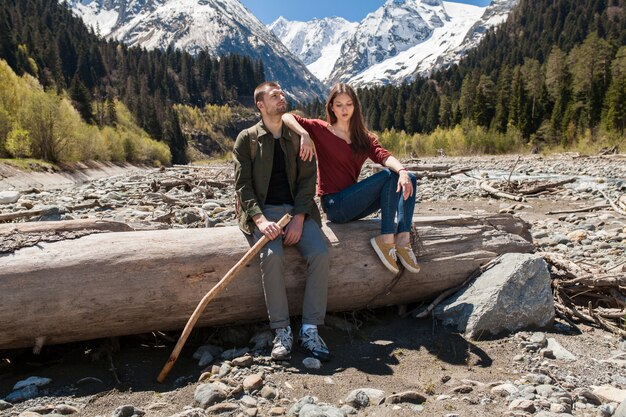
x=218 y=27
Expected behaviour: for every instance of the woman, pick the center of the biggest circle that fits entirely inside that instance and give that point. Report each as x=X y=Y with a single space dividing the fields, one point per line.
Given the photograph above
x=342 y=144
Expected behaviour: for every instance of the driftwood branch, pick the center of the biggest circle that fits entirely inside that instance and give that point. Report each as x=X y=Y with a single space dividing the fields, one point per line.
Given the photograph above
x=580 y=210
x=484 y=185
x=595 y=298
x=612 y=203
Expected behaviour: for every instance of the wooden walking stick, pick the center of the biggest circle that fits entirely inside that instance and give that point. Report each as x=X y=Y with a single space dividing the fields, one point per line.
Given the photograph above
x=211 y=294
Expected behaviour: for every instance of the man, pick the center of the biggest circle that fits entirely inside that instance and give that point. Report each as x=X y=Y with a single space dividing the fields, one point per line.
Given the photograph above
x=271 y=179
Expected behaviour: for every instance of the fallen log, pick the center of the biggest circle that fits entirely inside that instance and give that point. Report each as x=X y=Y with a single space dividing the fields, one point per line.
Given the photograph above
x=116 y=284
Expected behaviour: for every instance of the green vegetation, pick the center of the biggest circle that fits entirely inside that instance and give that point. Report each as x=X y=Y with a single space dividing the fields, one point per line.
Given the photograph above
x=206 y=128
x=29 y=164
x=85 y=79
x=44 y=125
x=553 y=76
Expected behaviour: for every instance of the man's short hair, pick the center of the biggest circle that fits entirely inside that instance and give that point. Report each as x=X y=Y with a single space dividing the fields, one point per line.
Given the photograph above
x=262 y=89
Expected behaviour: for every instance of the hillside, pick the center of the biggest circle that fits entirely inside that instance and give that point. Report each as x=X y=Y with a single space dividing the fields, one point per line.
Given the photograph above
x=44 y=39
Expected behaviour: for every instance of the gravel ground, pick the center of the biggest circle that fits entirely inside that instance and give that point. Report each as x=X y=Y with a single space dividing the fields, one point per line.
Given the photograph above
x=440 y=372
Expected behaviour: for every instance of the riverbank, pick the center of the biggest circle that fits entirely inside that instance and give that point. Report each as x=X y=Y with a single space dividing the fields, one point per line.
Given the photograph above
x=50 y=178
x=374 y=349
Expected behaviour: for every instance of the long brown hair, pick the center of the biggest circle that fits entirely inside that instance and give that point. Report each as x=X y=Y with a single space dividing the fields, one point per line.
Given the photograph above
x=359 y=133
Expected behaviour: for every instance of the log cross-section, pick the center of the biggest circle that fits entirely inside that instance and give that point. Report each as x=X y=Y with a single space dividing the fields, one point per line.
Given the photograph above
x=114 y=284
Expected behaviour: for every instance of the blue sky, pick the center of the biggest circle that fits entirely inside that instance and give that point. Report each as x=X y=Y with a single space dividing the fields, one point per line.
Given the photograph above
x=354 y=10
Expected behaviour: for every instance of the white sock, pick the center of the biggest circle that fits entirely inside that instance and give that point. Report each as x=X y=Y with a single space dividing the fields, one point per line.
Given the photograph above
x=306 y=327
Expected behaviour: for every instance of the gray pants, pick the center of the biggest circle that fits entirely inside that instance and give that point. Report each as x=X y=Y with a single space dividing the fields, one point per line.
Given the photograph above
x=313 y=248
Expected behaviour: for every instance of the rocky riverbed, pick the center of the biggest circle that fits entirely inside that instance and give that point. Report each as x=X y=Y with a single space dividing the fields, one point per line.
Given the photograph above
x=385 y=362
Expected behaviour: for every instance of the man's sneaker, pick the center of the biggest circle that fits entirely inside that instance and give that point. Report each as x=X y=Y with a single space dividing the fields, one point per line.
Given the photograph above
x=283 y=342
x=386 y=252
x=311 y=341
x=407 y=258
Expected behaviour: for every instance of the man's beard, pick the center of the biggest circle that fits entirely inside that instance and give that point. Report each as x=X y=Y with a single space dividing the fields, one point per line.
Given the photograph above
x=278 y=111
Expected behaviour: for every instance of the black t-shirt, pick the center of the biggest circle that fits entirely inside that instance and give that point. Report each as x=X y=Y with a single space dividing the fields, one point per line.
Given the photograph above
x=278 y=191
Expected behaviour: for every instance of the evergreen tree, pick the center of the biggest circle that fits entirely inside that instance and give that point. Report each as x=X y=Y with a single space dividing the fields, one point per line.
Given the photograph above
x=503 y=98
x=616 y=95
x=483 y=106
x=81 y=99
x=174 y=137
x=590 y=66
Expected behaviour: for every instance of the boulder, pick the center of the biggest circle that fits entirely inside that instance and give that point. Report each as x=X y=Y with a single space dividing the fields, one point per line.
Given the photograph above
x=9 y=197
x=514 y=294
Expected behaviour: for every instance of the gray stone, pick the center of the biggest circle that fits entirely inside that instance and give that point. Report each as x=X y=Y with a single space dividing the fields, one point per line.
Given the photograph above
x=559 y=238
x=539 y=338
x=234 y=353
x=269 y=393
x=498 y=300
x=362 y=397
x=559 y=351
x=5 y=405
x=26 y=393
x=208 y=394
x=206 y=359
x=262 y=340
x=33 y=380
x=127 y=411
x=295 y=409
x=248 y=401
x=538 y=379
x=608 y=393
x=349 y=409
x=545 y=390
x=312 y=363
x=190 y=216
x=9 y=197
x=559 y=408
x=65 y=409
x=313 y=410
x=606 y=410
x=505 y=390
x=193 y=412
x=202 y=350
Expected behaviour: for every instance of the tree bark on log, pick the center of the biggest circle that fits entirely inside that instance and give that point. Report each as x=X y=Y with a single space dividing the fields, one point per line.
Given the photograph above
x=64 y=226
x=116 y=284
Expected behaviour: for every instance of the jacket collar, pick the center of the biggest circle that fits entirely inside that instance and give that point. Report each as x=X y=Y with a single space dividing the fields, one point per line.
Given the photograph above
x=261 y=131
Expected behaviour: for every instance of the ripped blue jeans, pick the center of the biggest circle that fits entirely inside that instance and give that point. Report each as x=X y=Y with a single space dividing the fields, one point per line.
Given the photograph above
x=377 y=192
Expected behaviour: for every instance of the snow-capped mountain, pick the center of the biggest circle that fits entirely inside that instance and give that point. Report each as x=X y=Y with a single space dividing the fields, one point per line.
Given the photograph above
x=392 y=29
x=219 y=26
x=317 y=43
x=494 y=14
x=393 y=44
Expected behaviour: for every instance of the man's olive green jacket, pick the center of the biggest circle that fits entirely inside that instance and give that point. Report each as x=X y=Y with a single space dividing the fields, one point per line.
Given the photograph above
x=252 y=177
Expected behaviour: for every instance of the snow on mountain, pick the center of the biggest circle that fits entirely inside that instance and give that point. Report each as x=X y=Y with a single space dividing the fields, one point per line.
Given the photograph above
x=220 y=27
x=390 y=30
x=422 y=57
x=316 y=43
x=494 y=14
x=393 y=44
